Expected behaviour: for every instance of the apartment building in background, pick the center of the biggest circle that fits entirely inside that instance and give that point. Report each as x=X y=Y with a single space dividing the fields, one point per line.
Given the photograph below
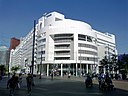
x=14 y=42
x=4 y=55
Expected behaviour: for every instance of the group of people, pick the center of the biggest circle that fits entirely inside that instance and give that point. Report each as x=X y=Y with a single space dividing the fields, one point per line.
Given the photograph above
x=15 y=82
x=105 y=81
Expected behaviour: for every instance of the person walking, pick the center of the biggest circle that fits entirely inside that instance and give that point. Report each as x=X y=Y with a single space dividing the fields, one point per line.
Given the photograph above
x=0 y=76
x=19 y=80
x=69 y=75
x=100 y=80
x=52 y=75
x=11 y=84
x=29 y=83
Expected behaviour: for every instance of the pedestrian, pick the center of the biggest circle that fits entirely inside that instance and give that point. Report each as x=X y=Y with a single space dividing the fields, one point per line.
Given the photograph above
x=19 y=80
x=11 y=84
x=99 y=80
x=52 y=75
x=29 y=83
x=9 y=76
x=69 y=75
x=0 y=77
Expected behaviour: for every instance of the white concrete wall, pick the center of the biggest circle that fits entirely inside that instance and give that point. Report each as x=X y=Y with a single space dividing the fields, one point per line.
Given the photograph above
x=55 y=23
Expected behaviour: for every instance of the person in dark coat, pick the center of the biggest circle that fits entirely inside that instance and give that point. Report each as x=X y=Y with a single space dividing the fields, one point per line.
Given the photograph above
x=29 y=80
x=11 y=84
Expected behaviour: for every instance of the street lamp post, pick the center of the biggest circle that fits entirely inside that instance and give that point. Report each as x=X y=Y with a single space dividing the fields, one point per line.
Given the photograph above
x=94 y=65
x=33 y=51
x=108 y=58
x=33 y=46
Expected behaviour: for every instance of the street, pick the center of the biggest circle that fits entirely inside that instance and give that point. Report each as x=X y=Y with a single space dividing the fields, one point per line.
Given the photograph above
x=64 y=87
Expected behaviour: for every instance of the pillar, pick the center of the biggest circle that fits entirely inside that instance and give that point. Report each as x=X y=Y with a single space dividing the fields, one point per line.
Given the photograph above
x=61 y=73
x=104 y=70
x=76 y=69
x=97 y=69
x=86 y=68
x=73 y=69
x=47 y=69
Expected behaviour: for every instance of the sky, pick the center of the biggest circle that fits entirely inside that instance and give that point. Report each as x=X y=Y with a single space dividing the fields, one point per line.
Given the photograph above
x=17 y=17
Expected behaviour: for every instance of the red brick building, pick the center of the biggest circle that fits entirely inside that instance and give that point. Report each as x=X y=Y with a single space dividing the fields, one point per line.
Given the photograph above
x=14 y=42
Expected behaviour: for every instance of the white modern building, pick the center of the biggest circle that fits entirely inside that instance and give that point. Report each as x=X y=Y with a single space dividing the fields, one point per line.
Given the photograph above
x=4 y=55
x=63 y=46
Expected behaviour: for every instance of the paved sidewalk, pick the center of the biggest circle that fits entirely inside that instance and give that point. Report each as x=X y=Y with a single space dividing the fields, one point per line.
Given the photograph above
x=120 y=84
x=62 y=86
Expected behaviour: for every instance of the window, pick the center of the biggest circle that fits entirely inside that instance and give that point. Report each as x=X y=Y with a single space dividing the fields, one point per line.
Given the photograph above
x=40 y=25
x=49 y=15
x=62 y=58
x=87 y=46
x=57 y=19
x=81 y=37
x=89 y=39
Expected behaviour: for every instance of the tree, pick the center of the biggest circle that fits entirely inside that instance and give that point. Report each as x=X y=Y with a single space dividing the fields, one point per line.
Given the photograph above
x=109 y=63
x=125 y=62
x=15 y=68
x=3 y=69
x=113 y=62
x=104 y=63
x=120 y=65
x=123 y=66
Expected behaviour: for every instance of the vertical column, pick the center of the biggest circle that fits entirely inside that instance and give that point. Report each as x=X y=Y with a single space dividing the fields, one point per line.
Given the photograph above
x=104 y=70
x=83 y=70
x=47 y=69
x=113 y=72
x=61 y=70
x=86 y=68
x=73 y=68
x=80 y=70
x=91 y=67
x=97 y=69
x=94 y=68
x=76 y=69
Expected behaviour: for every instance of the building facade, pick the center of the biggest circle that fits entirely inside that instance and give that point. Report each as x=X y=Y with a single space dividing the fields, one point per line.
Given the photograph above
x=63 y=46
x=13 y=43
x=4 y=55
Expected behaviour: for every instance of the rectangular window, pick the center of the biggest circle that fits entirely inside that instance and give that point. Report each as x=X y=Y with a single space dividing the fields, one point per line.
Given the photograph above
x=89 y=39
